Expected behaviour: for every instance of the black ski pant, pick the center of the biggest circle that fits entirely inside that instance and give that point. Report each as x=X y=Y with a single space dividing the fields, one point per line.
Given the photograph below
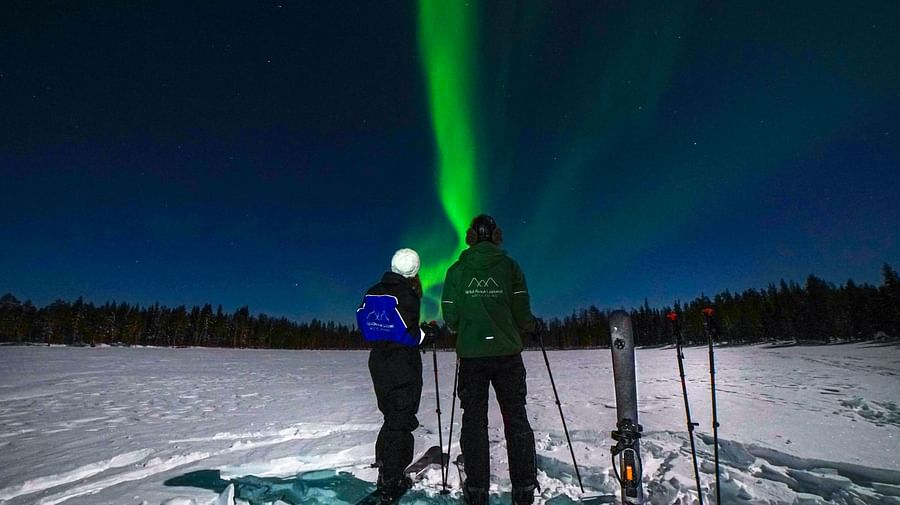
x=397 y=376
x=507 y=375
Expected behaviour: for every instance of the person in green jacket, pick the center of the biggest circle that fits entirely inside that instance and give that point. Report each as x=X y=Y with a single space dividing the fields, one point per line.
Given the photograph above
x=485 y=301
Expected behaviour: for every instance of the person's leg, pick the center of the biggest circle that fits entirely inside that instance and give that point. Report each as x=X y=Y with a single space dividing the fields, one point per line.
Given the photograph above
x=473 y=396
x=376 y=371
x=509 y=385
x=397 y=376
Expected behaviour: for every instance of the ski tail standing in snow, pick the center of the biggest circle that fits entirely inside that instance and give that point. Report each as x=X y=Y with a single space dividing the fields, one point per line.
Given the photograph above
x=628 y=431
x=485 y=300
x=389 y=319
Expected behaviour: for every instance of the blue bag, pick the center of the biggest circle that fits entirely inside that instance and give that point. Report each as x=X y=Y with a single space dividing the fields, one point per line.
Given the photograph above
x=379 y=319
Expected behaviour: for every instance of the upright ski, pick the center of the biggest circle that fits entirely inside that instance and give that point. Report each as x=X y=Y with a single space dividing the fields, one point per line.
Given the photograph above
x=628 y=432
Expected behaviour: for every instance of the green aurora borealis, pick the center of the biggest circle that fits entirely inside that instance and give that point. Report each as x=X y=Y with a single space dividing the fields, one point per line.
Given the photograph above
x=626 y=126
x=445 y=35
x=448 y=39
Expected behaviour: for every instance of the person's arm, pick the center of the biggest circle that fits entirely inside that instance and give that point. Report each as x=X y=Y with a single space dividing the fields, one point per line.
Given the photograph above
x=521 y=301
x=449 y=297
x=409 y=305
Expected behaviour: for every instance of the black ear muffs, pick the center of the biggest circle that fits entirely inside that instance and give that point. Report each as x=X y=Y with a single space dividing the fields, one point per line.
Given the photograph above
x=470 y=237
x=483 y=228
x=497 y=236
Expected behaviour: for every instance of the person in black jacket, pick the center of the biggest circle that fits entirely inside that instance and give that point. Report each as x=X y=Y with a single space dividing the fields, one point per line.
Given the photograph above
x=389 y=318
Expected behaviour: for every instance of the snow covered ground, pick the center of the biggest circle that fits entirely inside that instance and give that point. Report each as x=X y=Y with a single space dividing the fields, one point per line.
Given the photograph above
x=805 y=425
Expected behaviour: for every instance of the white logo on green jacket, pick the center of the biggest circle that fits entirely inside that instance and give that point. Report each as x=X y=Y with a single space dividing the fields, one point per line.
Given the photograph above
x=481 y=288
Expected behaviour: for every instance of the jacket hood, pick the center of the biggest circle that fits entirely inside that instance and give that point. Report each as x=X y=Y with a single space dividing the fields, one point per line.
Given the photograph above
x=482 y=255
x=395 y=278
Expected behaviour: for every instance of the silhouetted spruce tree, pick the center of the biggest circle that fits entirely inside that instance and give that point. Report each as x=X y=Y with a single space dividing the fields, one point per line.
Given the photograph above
x=890 y=301
x=10 y=317
x=816 y=312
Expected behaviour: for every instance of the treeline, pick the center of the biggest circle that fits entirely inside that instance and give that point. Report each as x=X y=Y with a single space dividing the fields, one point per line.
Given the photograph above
x=817 y=312
x=814 y=312
x=83 y=323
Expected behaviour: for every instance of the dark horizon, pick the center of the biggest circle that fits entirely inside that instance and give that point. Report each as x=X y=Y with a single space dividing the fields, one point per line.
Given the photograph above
x=889 y=283
x=275 y=155
x=817 y=312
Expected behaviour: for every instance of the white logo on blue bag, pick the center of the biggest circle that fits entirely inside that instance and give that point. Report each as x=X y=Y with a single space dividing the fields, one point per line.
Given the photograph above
x=379 y=319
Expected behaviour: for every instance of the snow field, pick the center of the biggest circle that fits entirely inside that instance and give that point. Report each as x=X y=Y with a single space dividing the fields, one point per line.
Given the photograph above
x=804 y=425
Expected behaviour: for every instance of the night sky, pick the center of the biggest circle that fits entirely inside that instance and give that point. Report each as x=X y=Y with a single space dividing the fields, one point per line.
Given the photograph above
x=275 y=154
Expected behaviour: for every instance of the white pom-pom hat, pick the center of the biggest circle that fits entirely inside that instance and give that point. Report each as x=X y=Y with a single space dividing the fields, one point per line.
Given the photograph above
x=405 y=262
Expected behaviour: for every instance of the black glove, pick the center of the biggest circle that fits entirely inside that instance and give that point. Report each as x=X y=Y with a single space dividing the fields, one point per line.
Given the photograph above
x=432 y=331
x=539 y=330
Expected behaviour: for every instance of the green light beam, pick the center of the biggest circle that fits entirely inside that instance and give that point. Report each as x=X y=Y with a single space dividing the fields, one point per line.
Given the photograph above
x=446 y=49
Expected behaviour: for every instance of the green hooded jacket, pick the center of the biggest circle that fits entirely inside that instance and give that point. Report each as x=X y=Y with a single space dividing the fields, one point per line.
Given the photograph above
x=485 y=300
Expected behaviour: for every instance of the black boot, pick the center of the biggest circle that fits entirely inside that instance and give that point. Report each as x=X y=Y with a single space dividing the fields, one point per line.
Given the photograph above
x=523 y=495
x=475 y=495
x=392 y=490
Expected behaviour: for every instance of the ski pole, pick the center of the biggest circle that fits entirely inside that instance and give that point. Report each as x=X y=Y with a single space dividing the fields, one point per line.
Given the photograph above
x=437 y=401
x=559 y=405
x=672 y=316
x=707 y=313
x=446 y=472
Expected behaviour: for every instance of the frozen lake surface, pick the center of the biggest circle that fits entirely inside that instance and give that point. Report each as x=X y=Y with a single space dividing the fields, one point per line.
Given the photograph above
x=805 y=425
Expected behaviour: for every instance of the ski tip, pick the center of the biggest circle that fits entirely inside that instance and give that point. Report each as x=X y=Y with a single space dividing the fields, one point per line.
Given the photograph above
x=597 y=498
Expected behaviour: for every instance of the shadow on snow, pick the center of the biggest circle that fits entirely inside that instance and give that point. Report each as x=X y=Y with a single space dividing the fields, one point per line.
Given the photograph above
x=321 y=487
x=324 y=486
